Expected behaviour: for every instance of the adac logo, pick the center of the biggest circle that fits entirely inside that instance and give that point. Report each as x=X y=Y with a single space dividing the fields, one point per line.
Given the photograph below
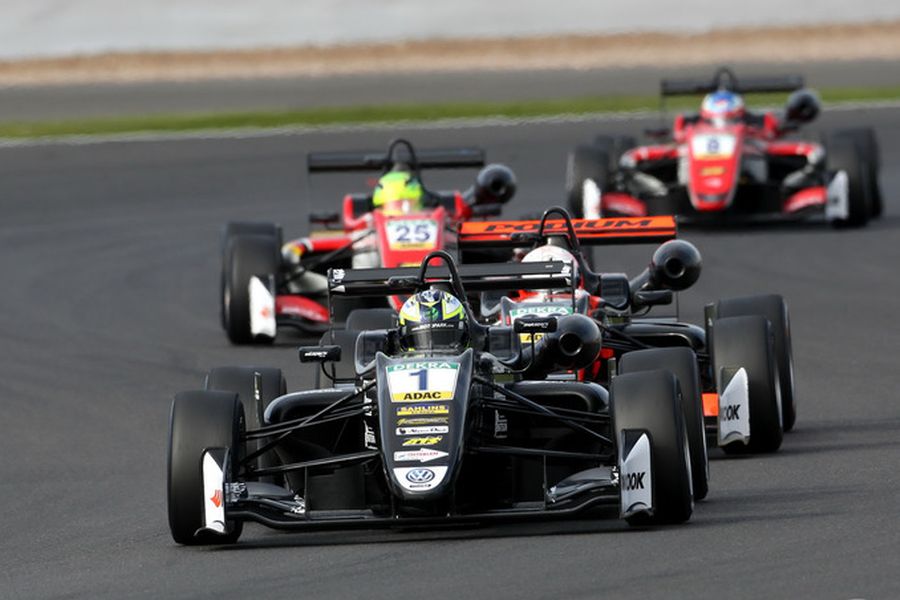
x=216 y=499
x=422 y=441
x=421 y=396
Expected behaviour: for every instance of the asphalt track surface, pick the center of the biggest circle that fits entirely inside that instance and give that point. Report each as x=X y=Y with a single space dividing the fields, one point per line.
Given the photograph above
x=109 y=267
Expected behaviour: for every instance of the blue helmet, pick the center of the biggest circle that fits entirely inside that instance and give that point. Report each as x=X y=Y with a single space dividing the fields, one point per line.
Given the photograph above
x=722 y=105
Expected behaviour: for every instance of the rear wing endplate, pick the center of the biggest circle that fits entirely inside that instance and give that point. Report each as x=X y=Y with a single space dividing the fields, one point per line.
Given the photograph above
x=591 y=232
x=474 y=278
x=446 y=158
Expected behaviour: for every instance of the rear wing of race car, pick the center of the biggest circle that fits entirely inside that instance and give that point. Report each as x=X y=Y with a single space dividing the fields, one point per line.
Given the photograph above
x=474 y=278
x=724 y=79
x=592 y=232
x=438 y=158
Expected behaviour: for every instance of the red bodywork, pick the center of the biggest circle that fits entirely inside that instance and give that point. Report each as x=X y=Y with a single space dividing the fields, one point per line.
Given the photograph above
x=397 y=240
x=709 y=158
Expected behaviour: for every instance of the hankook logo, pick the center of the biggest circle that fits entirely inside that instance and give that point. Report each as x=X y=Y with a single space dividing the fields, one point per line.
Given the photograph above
x=420 y=475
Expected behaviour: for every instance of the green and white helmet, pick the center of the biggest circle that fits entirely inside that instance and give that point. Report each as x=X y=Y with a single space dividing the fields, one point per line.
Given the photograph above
x=433 y=319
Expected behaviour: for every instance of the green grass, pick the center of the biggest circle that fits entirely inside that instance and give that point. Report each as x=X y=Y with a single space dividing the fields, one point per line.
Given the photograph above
x=394 y=113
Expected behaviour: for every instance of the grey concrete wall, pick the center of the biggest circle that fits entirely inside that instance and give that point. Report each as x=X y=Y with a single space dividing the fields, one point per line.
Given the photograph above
x=62 y=27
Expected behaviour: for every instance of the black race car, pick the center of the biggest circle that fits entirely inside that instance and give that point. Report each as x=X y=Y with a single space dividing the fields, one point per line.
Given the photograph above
x=436 y=434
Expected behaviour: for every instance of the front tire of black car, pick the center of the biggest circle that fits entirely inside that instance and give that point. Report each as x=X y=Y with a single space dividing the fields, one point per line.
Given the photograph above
x=650 y=401
x=199 y=420
x=681 y=362
x=243 y=382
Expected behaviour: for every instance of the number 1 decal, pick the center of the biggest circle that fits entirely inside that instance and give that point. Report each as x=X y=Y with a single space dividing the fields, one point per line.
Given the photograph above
x=423 y=379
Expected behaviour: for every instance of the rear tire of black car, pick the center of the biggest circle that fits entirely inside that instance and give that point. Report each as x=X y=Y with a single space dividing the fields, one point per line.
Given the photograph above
x=199 y=420
x=845 y=153
x=749 y=342
x=650 y=401
x=774 y=308
x=585 y=163
x=242 y=381
x=867 y=144
x=246 y=256
x=681 y=362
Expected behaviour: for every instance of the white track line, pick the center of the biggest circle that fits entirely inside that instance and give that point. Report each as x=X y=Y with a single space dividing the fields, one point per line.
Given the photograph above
x=300 y=130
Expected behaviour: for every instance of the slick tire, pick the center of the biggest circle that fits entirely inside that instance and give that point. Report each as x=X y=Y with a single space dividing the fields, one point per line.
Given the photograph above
x=582 y=164
x=650 y=401
x=845 y=153
x=681 y=362
x=614 y=146
x=774 y=308
x=246 y=255
x=242 y=228
x=199 y=420
x=748 y=342
x=255 y=398
x=871 y=156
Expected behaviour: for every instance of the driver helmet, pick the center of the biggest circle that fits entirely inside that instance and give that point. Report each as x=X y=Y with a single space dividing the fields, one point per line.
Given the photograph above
x=433 y=319
x=398 y=193
x=549 y=253
x=722 y=106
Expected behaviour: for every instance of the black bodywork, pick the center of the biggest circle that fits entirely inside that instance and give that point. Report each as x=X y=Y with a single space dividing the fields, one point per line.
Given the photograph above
x=509 y=448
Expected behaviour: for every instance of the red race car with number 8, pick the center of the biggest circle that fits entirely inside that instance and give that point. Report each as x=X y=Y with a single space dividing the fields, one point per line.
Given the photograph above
x=728 y=164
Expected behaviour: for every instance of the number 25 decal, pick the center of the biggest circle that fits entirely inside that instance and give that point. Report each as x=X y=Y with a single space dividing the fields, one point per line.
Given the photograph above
x=420 y=233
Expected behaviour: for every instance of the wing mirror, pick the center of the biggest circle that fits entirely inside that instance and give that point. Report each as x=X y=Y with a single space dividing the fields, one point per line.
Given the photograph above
x=533 y=324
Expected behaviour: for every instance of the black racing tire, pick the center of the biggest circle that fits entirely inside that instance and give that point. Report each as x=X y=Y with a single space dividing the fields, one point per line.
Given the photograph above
x=199 y=420
x=368 y=319
x=583 y=163
x=650 y=400
x=748 y=342
x=246 y=255
x=681 y=362
x=871 y=156
x=242 y=381
x=774 y=308
x=233 y=228
x=614 y=146
x=845 y=153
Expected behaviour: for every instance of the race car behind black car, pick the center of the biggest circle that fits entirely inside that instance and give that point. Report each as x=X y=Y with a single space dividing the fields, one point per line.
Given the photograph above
x=727 y=164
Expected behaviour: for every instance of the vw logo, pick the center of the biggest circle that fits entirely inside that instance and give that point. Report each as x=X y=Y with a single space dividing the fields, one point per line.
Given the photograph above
x=420 y=475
